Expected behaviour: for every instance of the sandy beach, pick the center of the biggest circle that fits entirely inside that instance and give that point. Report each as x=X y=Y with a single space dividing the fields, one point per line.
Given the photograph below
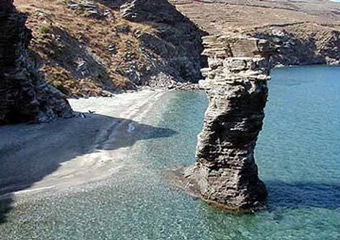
x=68 y=152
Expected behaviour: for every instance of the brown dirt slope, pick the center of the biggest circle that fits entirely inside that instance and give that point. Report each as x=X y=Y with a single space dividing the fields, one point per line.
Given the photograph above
x=87 y=48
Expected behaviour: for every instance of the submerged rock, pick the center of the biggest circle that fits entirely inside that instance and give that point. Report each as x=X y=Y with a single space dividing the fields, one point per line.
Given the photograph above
x=24 y=95
x=236 y=84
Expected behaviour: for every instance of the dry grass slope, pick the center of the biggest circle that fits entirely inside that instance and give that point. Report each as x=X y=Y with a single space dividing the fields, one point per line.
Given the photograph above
x=83 y=54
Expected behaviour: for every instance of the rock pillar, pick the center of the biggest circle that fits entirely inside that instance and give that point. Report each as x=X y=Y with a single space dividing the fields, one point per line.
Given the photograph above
x=24 y=95
x=236 y=84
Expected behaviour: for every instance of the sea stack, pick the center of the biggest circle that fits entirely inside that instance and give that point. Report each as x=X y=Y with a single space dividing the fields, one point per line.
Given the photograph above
x=226 y=174
x=24 y=95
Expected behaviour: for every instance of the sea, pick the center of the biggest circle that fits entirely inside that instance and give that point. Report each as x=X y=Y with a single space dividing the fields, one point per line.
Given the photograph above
x=298 y=156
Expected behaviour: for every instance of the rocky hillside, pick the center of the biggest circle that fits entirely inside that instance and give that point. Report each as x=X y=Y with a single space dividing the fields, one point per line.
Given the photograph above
x=307 y=32
x=24 y=95
x=98 y=47
x=92 y=48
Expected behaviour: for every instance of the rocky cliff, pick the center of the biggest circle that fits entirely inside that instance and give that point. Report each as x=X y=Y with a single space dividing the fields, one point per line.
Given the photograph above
x=92 y=48
x=25 y=97
x=176 y=41
x=236 y=84
x=302 y=45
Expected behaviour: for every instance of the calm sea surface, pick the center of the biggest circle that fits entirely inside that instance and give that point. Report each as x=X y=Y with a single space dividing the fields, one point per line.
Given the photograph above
x=298 y=155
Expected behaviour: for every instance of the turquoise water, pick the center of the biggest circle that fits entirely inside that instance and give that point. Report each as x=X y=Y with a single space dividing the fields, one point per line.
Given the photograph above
x=298 y=155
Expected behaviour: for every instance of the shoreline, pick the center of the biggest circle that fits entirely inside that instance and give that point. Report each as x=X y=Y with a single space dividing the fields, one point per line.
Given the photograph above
x=83 y=149
x=93 y=144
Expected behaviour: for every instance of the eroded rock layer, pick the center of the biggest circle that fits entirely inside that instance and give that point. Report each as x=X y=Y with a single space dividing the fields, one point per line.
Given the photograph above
x=236 y=84
x=24 y=96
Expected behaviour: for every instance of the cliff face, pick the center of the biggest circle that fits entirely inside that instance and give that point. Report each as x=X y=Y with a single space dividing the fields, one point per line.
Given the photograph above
x=92 y=48
x=299 y=46
x=25 y=97
x=236 y=84
x=176 y=40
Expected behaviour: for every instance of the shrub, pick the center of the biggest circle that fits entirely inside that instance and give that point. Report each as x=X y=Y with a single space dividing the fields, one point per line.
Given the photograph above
x=44 y=29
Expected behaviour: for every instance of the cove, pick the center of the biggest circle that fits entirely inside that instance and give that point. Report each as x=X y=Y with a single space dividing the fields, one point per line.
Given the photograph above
x=298 y=155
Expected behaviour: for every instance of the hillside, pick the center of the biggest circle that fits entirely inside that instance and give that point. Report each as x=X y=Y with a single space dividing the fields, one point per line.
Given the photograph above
x=307 y=32
x=94 y=48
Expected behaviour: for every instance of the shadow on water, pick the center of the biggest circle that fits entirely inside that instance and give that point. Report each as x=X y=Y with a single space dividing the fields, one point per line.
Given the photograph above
x=28 y=153
x=303 y=194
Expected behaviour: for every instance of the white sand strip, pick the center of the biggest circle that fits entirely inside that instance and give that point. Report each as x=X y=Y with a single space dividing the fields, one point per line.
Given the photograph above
x=73 y=151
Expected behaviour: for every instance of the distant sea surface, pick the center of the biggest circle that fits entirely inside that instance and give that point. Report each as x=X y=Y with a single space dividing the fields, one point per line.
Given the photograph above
x=298 y=154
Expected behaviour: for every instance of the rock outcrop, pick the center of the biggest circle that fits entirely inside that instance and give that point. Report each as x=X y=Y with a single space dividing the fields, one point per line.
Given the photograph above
x=236 y=84
x=176 y=41
x=24 y=96
x=159 y=11
x=302 y=47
